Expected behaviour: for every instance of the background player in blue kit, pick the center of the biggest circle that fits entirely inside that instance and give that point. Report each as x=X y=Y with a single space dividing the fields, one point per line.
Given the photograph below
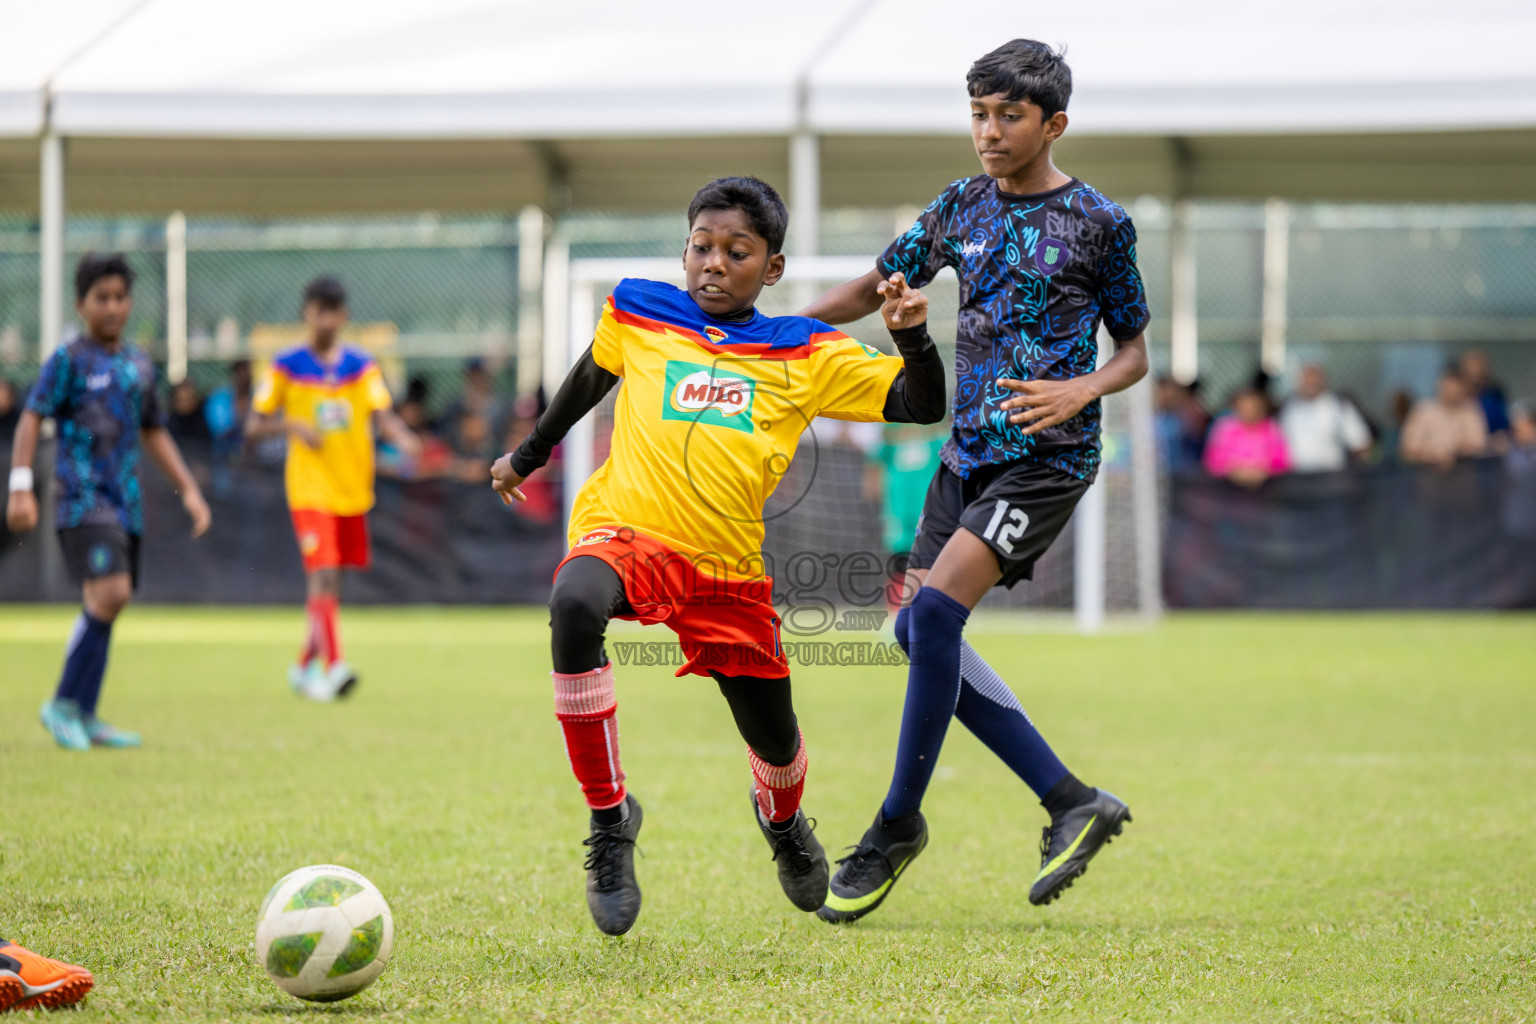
x=100 y=390
x=1042 y=259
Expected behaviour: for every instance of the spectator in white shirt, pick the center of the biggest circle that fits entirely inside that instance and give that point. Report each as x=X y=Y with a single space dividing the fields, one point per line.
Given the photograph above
x=1322 y=429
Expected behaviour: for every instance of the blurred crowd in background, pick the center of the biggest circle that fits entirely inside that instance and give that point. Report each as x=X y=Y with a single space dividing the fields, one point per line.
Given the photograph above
x=1256 y=436
x=1317 y=429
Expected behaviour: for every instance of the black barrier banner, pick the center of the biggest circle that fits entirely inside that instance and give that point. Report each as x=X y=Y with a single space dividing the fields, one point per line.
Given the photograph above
x=434 y=542
x=1374 y=537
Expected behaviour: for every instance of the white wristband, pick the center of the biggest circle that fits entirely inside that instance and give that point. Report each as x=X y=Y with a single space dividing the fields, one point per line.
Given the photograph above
x=21 y=478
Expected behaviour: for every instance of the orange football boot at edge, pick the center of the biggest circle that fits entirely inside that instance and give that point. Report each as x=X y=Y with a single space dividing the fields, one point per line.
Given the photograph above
x=28 y=980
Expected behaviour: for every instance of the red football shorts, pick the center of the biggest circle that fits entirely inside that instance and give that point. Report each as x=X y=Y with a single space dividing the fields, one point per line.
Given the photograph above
x=723 y=625
x=330 y=541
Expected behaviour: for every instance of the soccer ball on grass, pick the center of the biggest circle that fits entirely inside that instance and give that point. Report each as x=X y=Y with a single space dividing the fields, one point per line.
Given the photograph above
x=324 y=933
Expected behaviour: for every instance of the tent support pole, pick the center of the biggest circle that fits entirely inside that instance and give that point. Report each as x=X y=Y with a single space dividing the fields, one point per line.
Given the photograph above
x=1183 y=315
x=805 y=206
x=556 y=313
x=1277 y=237
x=805 y=192
x=1184 y=323
x=530 y=290
x=176 y=298
x=51 y=213
x=51 y=247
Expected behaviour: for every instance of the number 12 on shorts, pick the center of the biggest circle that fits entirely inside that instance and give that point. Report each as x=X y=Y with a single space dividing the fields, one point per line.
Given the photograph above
x=1017 y=523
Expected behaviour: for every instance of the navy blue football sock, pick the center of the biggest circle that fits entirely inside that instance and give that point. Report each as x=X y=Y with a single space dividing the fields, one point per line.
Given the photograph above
x=96 y=671
x=933 y=687
x=85 y=662
x=989 y=708
x=903 y=617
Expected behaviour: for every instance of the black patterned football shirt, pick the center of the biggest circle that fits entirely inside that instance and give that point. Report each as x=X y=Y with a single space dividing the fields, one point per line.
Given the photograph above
x=1038 y=273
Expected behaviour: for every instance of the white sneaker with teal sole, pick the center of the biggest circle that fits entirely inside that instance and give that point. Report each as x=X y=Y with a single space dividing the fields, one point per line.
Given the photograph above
x=331 y=684
x=341 y=680
x=103 y=735
x=62 y=719
x=303 y=678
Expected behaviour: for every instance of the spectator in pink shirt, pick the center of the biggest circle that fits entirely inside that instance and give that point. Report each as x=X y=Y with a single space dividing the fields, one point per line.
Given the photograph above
x=1246 y=446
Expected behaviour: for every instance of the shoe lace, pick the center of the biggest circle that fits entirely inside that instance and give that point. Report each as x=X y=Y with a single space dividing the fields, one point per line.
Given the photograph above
x=606 y=856
x=862 y=863
x=788 y=843
x=1045 y=843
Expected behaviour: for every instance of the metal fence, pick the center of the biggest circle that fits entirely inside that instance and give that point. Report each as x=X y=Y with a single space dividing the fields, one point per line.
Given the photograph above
x=1381 y=295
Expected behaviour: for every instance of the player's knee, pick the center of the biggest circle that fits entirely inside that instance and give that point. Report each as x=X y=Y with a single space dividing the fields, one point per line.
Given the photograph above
x=575 y=618
x=778 y=750
x=107 y=598
x=325 y=583
x=930 y=613
x=936 y=621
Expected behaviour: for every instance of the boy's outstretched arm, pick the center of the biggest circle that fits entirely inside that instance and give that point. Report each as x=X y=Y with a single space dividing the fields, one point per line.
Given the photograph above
x=162 y=450
x=21 y=505
x=259 y=426
x=1045 y=403
x=849 y=301
x=582 y=389
x=388 y=425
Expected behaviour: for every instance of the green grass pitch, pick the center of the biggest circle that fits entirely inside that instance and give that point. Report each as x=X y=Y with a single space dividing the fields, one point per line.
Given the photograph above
x=1334 y=821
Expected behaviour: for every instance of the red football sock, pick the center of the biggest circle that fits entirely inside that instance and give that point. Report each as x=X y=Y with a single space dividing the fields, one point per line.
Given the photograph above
x=327 y=634
x=779 y=786
x=588 y=712
x=312 y=639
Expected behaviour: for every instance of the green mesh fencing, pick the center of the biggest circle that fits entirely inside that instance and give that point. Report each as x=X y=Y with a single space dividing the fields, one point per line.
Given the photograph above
x=1381 y=295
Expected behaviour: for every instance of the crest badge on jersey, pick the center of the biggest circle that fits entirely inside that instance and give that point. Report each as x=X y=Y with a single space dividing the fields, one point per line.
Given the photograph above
x=714 y=333
x=1051 y=255
x=705 y=394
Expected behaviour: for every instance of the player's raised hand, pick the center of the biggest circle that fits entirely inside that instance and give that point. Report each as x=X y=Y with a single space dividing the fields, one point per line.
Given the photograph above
x=21 y=512
x=1044 y=403
x=197 y=508
x=904 y=306
x=504 y=480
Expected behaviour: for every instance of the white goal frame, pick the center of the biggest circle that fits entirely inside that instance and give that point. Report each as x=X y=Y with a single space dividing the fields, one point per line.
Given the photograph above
x=570 y=302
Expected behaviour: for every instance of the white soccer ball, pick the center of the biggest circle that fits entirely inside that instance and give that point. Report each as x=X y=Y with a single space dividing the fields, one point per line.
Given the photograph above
x=324 y=933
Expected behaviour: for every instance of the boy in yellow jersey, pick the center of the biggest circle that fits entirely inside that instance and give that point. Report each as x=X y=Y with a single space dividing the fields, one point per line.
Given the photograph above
x=329 y=399
x=669 y=529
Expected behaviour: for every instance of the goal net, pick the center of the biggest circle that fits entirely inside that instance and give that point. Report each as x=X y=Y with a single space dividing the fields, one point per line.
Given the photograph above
x=829 y=525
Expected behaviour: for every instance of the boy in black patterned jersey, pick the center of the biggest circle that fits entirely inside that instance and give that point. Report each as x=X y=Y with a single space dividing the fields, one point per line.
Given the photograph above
x=1042 y=260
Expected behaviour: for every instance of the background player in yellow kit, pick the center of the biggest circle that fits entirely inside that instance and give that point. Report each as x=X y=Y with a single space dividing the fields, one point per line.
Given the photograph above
x=669 y=529
x=328 y=399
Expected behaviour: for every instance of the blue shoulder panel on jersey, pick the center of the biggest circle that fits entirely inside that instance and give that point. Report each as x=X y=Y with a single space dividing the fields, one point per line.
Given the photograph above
x=667 y=304
x=300 y=364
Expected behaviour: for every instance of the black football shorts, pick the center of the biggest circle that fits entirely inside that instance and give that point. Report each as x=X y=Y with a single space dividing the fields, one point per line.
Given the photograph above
x=95 y=550
x=1017 y=508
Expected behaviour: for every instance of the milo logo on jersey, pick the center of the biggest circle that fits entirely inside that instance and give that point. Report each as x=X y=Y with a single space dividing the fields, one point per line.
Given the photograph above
x=332 y=415
x=704 y=394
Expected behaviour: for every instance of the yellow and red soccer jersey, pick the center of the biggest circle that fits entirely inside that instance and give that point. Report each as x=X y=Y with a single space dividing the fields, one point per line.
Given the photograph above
x=338 y=400
x=710 y=414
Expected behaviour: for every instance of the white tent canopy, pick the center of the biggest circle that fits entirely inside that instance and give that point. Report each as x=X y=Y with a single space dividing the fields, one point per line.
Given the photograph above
x=599 y=68
x=295 y=106
x=287 y=106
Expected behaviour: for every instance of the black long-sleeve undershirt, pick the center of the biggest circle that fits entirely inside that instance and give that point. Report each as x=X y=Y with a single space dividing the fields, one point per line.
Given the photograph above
x=917 y=393
x=916 y=396
x=585 y=386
